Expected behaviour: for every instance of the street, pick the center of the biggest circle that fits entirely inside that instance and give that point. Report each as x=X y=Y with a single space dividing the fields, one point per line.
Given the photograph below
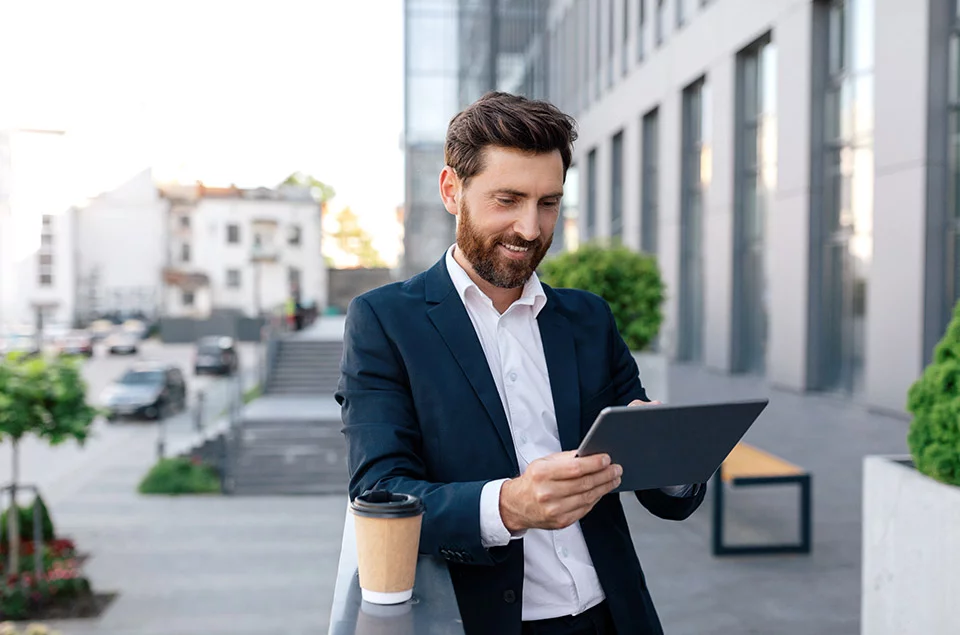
x=59 y=470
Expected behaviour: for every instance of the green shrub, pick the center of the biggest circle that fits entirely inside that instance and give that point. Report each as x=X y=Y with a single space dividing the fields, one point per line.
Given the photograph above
x=26 y=522
x=934 y=401
x=180 y=476
x=629 y=281
x=252 y=393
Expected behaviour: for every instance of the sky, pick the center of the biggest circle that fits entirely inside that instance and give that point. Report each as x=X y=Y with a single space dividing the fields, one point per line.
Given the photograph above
x=238 y=91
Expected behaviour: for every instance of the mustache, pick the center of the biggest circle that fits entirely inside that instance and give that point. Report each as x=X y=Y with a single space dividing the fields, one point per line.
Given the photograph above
x=517 y=241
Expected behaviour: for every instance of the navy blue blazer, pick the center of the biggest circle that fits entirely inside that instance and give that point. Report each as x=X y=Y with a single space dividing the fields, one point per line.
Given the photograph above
x=422 y=415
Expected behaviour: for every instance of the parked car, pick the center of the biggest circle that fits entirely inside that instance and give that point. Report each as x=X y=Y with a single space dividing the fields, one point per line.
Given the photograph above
x=76 y=343
x=100 y=329
x=24 y=343
x=151 y=390
x=216 y=354
x=138 y=328
x=123 y=343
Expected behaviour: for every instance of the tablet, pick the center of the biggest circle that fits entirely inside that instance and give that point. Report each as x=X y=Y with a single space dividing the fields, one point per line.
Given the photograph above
x=661 y=445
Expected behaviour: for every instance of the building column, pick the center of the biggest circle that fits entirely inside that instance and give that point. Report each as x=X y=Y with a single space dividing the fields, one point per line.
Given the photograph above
x=788 y=237
x=895 y=296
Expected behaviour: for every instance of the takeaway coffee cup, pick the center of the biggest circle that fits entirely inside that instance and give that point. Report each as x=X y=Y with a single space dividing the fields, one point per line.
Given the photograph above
x=387 y=529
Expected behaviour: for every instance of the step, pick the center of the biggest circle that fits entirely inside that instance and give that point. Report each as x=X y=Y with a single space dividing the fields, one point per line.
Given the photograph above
x=318 y=489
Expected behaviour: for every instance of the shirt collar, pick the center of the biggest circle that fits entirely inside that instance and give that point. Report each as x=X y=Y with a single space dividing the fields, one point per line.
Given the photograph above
x=532 y=295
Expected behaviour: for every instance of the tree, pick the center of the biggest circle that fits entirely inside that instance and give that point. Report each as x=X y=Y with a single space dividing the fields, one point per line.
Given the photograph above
x=353 y=239
x=320 y=190
x=45 y=397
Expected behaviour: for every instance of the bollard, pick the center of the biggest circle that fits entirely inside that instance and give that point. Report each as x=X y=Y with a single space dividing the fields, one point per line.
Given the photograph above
x=198 y=412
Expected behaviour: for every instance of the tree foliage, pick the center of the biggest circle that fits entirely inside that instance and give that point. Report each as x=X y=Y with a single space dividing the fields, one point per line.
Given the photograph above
x=320 y=190
x=352 y=238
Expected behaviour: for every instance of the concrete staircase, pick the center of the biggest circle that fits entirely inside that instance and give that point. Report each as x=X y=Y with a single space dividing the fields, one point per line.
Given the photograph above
x=288 y=457
x=305 y=367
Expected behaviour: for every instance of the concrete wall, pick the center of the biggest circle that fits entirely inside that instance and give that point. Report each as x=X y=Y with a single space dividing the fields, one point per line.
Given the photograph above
x=346 y=284
x=187 y=330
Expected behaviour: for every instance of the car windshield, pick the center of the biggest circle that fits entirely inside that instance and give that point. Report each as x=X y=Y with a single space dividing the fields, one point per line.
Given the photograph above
x=142 y=378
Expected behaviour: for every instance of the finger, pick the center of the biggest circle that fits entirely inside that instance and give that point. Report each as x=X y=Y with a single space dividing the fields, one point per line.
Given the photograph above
x=637 y=402
x=573 y=488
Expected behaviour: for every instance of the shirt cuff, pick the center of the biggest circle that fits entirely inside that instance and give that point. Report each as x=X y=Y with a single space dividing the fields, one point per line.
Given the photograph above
x=493 y=533
x=681 y=491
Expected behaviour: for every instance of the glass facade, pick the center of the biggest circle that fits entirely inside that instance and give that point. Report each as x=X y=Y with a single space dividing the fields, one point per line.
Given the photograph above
x=616 y=186
x=590 y=213
x=649 y=182
x=756 y=182
x=455 y=51
x=953 y=194
x=694 y=175
x=847 y=209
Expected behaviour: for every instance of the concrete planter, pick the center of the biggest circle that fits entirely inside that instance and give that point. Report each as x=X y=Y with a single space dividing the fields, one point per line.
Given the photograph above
x=911 y=551
x=653 y=374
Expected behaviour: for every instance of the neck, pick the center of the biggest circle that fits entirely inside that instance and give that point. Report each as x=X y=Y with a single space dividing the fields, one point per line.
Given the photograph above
x=502 y=298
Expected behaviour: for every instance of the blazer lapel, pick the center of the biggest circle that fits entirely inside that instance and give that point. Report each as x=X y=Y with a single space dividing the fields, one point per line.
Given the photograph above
x=556 y=332
x=450 y=318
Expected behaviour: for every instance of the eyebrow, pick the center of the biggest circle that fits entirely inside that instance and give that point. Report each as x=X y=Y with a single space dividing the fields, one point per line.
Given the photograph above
x=520 y=194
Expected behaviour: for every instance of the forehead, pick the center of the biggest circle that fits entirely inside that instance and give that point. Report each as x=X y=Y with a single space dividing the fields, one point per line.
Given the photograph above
x=512 y=168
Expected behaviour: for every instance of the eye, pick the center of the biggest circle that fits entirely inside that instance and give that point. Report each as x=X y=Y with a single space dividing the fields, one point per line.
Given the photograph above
x=506 y=202
x=551 y=204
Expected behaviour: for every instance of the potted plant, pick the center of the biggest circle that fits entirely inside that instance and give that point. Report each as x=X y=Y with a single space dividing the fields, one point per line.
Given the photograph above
x=911 y=509
x=631 y=284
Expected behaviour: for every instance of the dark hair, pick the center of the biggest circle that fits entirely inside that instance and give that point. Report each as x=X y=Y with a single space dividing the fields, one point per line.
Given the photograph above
x=506 y=121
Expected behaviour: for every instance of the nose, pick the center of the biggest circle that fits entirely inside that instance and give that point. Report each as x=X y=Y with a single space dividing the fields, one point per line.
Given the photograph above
x=527 y=225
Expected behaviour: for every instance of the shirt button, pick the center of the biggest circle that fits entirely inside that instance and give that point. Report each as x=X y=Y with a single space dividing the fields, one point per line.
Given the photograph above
x=513 y=377
x=523 y=438
x=563 y=552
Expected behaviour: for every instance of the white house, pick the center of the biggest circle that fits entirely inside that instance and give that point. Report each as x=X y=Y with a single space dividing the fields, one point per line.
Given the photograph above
x=241 y=249
x=121 y=250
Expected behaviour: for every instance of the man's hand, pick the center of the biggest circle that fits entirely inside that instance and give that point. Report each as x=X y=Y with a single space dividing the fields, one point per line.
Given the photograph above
x=637 y=402
x=557 y=490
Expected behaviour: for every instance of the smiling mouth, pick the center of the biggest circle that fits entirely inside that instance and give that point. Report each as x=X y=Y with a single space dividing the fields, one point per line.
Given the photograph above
x=515 y=249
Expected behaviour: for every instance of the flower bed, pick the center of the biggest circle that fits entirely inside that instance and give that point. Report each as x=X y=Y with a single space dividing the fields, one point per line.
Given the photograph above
x=62 y=591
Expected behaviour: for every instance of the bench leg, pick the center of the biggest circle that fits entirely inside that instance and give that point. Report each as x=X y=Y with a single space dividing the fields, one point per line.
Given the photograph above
x=806 y=520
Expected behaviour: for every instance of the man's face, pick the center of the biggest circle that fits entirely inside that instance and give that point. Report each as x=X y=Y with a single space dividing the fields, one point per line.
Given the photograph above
x=507 y=213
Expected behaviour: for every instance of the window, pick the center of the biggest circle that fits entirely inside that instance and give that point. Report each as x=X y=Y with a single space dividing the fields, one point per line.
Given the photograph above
x=293 y=279
x=625 y=40
x=598 y=42
x=293 y=238
x=612 y=39
x=681 y=12
x=952 y=269
x=185 y=222
x=45 y=255
x=658 y=22
x=590 y=215
x=694 y=175
x=616 y=186
x=233 y=234
x=233 y=278
x=184 y=252
x=186 y=298
x=641 y=28
x=844 y=223
x=754 y=186
x=649 y=185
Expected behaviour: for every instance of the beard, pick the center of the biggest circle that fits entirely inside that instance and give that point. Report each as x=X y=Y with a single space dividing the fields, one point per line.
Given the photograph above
x=484 y=255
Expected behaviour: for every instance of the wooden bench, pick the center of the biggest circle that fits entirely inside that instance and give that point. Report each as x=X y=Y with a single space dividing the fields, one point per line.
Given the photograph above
x=745 y=466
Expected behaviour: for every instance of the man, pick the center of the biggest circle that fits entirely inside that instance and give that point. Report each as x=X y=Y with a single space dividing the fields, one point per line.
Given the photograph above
x=472 y=384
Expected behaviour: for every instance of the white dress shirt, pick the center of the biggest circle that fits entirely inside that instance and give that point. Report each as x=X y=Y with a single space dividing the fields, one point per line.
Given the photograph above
x=558 y=574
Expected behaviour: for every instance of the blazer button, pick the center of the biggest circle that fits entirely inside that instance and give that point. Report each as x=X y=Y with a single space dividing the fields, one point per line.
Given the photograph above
x=509 y=596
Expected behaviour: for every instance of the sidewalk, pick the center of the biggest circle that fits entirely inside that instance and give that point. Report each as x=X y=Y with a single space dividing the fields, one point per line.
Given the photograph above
x=245 y=566
x=770 y=595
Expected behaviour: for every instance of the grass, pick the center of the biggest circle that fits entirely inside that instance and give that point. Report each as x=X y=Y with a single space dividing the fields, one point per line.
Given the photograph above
x=180 y=476
x=252 y=393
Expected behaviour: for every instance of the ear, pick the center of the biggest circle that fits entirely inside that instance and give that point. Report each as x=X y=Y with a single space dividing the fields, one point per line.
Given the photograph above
x=451 y=189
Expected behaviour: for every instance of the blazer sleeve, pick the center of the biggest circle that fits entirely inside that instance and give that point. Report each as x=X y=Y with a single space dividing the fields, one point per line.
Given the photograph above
x=626 y=376
x=384 y=442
